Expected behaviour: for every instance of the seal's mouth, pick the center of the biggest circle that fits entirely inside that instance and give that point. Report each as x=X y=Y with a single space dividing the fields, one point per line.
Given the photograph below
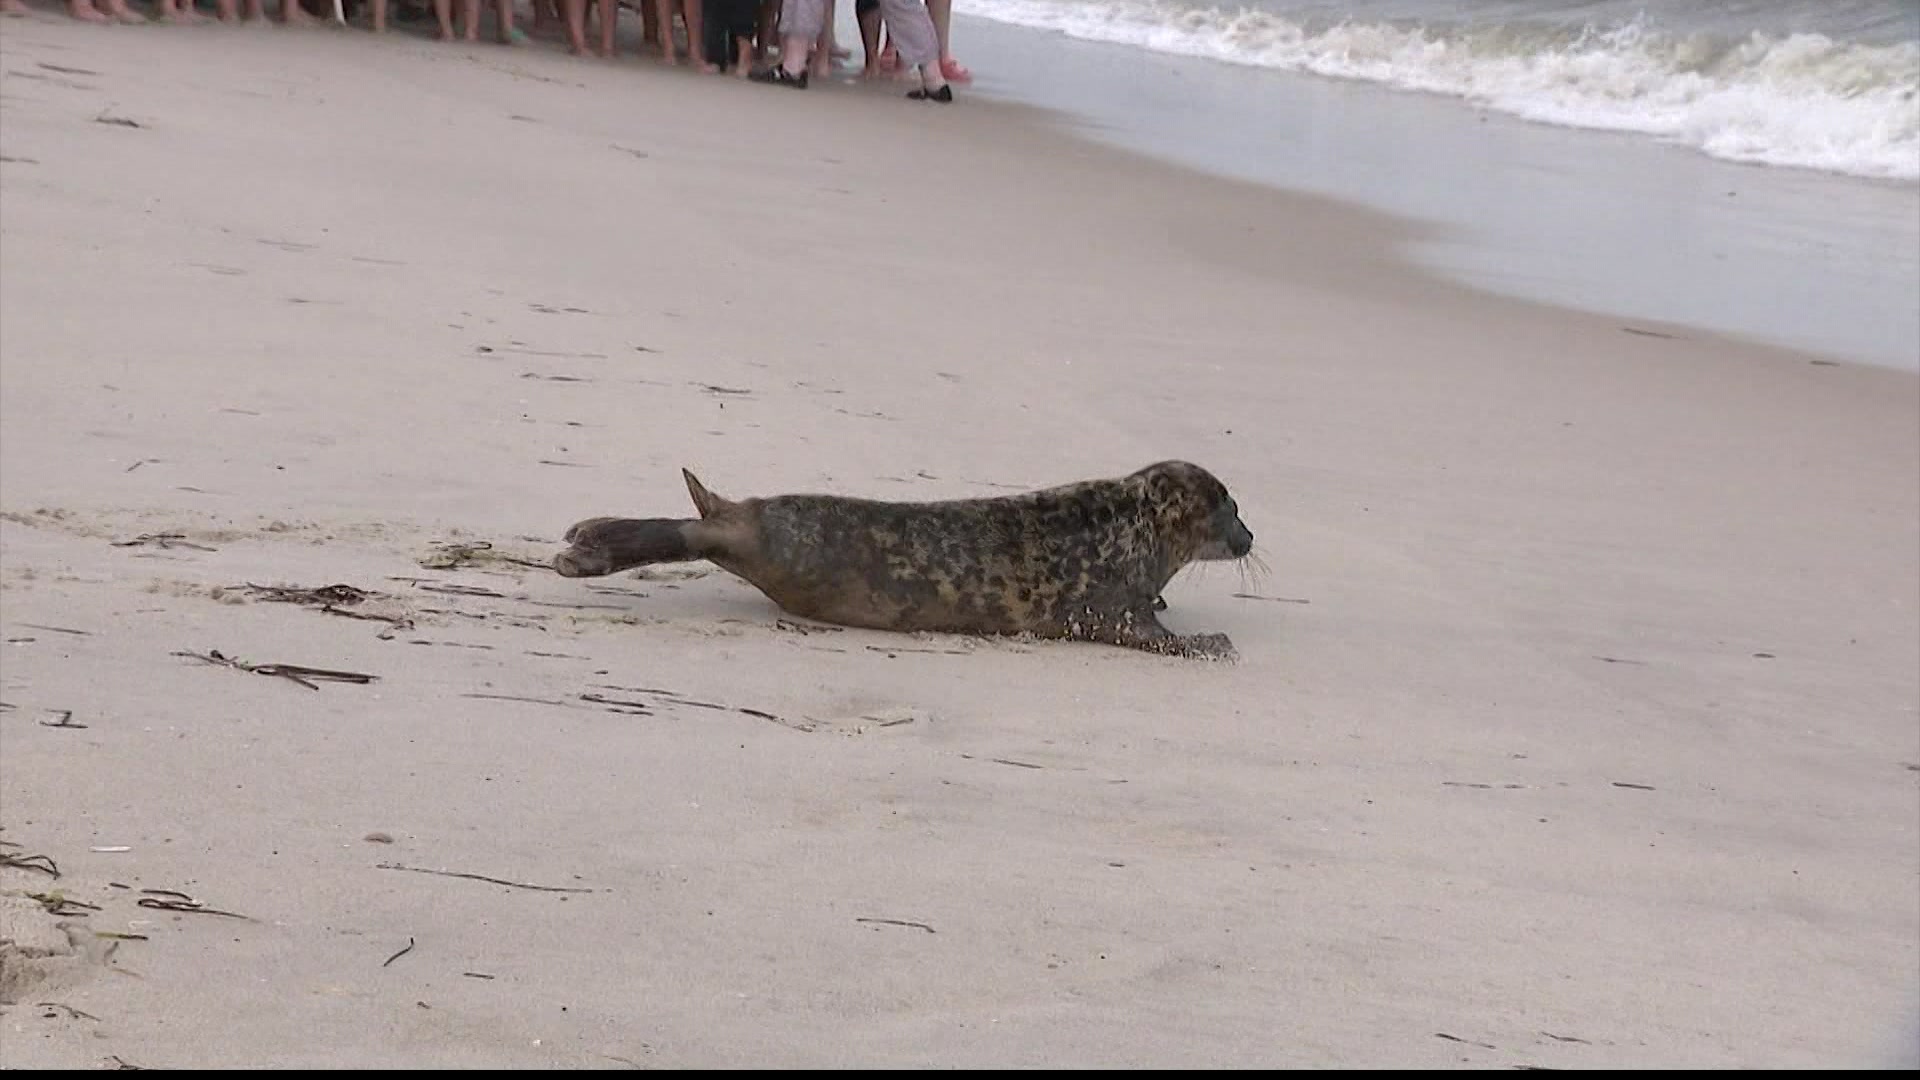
x=580 y=562
x=1234 y=544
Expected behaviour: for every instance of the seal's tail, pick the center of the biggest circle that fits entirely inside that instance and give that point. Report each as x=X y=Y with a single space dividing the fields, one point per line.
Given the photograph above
x=609 y=545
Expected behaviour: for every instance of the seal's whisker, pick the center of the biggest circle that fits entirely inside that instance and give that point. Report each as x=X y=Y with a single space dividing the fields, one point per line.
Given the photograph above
x=1254 y=570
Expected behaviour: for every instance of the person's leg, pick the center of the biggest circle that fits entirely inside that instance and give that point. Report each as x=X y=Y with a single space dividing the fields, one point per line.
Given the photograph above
x=107 y=10
x=867 y=12
x=292 y=15
x=575 y=12
x=696 y=18
x=470 y=19
x=379 y=16
x=911 y=29
x=503 y=21
x=178 y=11
x=669 y=47
x=712 y=32
x=608 y=13
x=765 y=31
x=443 y=14
x=820 y=66
x=800 y=25
x=941 y=12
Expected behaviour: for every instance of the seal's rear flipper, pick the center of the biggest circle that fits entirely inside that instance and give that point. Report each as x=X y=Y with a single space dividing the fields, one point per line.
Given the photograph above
x=609 y=545
x=703 y=500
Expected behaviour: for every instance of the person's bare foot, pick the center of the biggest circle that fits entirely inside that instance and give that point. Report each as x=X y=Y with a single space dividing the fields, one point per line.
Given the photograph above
x=292 y=15
x=12 y=7
x=117 y=11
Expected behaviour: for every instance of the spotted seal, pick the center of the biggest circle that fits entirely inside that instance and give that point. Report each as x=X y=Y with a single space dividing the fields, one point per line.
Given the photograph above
x=1082 y=562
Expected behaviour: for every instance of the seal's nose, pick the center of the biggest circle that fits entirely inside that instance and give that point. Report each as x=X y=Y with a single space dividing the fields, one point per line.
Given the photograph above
x=1242 y=543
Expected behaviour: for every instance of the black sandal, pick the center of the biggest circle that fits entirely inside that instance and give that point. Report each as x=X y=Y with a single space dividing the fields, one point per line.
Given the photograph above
x=777 y=76
x=944 y=95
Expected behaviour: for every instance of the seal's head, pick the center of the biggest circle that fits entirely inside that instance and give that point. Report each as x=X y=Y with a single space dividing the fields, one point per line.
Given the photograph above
x=1198 y=519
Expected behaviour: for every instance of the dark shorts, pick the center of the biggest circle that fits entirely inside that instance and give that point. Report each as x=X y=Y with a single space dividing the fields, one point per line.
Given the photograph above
x=728 y=19
x=861 y=7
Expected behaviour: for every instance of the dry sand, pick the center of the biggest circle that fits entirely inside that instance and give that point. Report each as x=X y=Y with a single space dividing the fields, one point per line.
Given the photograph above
x=1588 y=738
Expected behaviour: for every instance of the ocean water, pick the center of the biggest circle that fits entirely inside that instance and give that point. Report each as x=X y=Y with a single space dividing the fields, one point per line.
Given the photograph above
x=1820 y=84
x=1592 y=216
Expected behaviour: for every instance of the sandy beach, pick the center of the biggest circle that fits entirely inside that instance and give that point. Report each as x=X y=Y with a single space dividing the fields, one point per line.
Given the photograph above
x=1576 y=725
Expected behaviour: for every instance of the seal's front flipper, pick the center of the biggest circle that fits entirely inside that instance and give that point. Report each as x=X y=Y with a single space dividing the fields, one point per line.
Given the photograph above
x=1207 y=647
x=609 y=545
x=1142 y=631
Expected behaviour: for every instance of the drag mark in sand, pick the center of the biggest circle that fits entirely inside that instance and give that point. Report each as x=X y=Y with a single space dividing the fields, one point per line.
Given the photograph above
x=57 y=629
x=481 y=877
x=298 y=673
x=897 y=922
x=175 y=901
x=163 y=541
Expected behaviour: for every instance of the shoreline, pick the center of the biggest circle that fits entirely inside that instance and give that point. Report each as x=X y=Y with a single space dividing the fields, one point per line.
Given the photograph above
x=1596 y=665
x=1609 y=223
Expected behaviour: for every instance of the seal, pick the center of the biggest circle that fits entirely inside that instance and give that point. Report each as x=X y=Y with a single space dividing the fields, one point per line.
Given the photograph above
x=1080 y=562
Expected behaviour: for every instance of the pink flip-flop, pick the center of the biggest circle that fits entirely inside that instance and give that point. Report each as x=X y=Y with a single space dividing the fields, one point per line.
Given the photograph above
x=954 y=71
